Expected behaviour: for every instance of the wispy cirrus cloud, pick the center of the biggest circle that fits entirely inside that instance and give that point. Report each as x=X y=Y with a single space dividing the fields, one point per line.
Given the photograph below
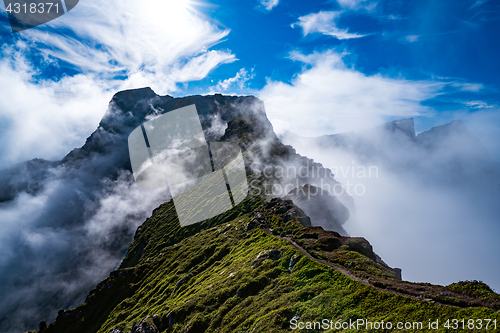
x=126 y=37
x=324 y=22
x=357 y=4
x=269 y=4
x=238 y=81
x=477 y=3
x=412 y=38
x=466 y=86
x=479 y=105
x=112 y=46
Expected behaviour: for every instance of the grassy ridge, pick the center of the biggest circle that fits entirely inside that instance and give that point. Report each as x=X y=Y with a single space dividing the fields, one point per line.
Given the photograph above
x=224 y=276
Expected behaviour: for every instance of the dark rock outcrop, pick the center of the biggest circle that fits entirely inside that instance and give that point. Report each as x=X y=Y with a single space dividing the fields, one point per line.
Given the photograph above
x=324 y=209
x=269 y=254
x=143 y=327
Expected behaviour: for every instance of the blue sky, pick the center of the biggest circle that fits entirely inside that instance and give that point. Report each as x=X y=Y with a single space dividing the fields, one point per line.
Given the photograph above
x=419 y=39
x=321 y=67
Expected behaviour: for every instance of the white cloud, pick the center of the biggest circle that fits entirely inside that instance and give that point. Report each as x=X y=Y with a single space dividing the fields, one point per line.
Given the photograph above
x=152 y=43
x=239 y=80
x=412 y=38
x=471 y=87
x=48 y=119
x=357 y=4
x=324 y=22
x=479 y=105
x=200 y=66
x=477 y=3
x=484 y=123
x=269 y=4
x=329 y=97
x=392 y=17
x=132 y=37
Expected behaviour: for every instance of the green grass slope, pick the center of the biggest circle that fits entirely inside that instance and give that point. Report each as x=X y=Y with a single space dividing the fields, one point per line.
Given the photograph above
x=256 y=268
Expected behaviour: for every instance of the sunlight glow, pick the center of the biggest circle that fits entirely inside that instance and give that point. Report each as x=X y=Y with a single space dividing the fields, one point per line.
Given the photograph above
x=172 y=12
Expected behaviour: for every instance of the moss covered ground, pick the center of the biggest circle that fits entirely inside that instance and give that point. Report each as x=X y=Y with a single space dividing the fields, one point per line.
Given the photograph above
x=239 y=272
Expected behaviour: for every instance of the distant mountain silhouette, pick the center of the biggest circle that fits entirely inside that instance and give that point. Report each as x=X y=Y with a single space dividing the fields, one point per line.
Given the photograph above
x=449 y=151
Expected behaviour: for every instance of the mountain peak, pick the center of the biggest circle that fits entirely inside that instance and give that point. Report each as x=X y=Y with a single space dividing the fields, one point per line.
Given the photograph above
x=456 y=127
x=406 y=126
x=453 y=137
x=138 y=93
x=130 y=108
x=134 y=104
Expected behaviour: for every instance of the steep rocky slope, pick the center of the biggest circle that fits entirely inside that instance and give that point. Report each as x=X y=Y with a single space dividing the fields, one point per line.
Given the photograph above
x=324 y=209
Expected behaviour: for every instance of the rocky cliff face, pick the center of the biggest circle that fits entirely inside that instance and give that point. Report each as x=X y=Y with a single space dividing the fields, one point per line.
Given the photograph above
x=324 y=209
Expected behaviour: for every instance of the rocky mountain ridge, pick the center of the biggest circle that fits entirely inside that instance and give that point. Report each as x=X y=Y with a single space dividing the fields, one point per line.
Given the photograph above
x=261 y=264
x=91 y=202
